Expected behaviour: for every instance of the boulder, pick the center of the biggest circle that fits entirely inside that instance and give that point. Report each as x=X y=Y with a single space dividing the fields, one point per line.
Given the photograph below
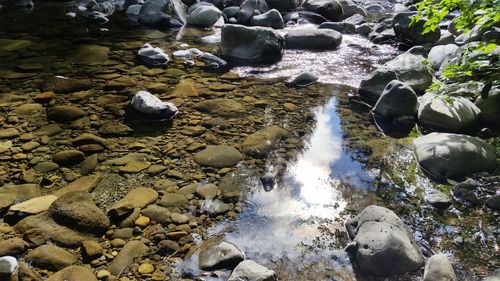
x=272 y=19
x=247 y=10
x=137 y=198
x=223 y=255
x=445 y=156
x=163 y=13
x=458 y=115
x=397 y=99
x=151 y=106
x=490 y=107
x=261 y=143
x=313 y=38
x=51 y=257
x=413 y=32
x=330 y=9
x=372 y=87
x=124 y=259
x=203 y=14
x=381 y=243
x=73 y=273
x=250 y=270
x=342 y=27
x=219 y=156
x=242 y=44
x=77 y=210
x=438 y=268
x=439 y=53
x=283 y=5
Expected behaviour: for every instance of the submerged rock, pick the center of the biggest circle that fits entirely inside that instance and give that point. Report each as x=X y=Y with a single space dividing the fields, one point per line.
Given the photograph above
x=219 y=156
x=438 y=268
x=304 y=79
x=382 y=245
x=260 y=143
x=223 y=255
x=313 y=38
x=151 y=106
x=250 y=270
x=221 y=107
x=445 y=156
x=153 y=56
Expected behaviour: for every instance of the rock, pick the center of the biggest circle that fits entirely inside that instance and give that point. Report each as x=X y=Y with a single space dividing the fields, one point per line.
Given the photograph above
x=92 y=249
x=472 y=35
x=438 y=268
x=87 y=138
x=330 y=9
x=137 y=198
x=8 y=267
x=87 y=184
x=152 y=56
x=133 y=10
x=220 y=156
x=49 y=130
x=439 y=53
x=68 y=157
x=304 y=79
x=438 y=199
x=313 y=38
x=77 y=210
x=342 y=27
x=65 y=113
x=13 y=247
x=351 y=9
x=452 y=156
x=283 y=5
x=66 y=85
x=163 y=13
x=89 y=165
x=495 y=276
x=203 y=14
x=17 y=193
x=146 y=268
x=216 y=207
x=179 y=218
x=158 y=213
x=151 y=106
x=490 y=107
x=250 y=270
x=382 y=245
x=89 y=55
x=9 y=133
x=5 y=146
x=221 y=107
x=397 y=99
x=51 y=257
x=248 y=8
x=261 y=143
x=173 y=200
x=272 y=19
x=135 y=167
x=186 y=88
x=241 y=44
x=212 y=60
x=493 y=202
x=73 y=273
x=35 y=205
x=207 y=191
x=457 y=116
x=223 y=255
x=124 y=259
x=413 y=32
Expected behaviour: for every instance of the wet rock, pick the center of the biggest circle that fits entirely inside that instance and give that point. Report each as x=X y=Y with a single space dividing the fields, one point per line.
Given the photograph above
x=458 y=116
x=438 y=268
x=304 y=79
x=92 y=249
x=223 y=255
x=203 y=14
x=490 y=107
x=342 y=27
x=179 y=218
x=452 y=156
x=73 y=273
x=87 y=138
x=163 y=13
x=221 y=107
x=158 y=213
x=87 y=184
x=68 y=157
x=242 y=44
x=382 y=245
x=413 y=32
x=49 y=130
x=9 y=133
x=173 y=200
x=152 y=106
x=313 y=38
x=438 y=199
x=493 y=202
x=207 y=191
x=220 y=156
x=216 y=207
x=439 y=53
x=89 y=165
x=398 y=99
x=153 y=56
x=62 y=85
x=212 y=60
x=77 y=210
x=248 y=9
x=89 y=55
x=65 y=113
x=271 y=19
x=250 y=270
x=126 y=256
x=51 y=257
x=330 y=9
x=12 y=247
x=372 y=86
x=283 y=5
x=35 y=205
x=17 y=193
x=261 y=143
x=136 y=198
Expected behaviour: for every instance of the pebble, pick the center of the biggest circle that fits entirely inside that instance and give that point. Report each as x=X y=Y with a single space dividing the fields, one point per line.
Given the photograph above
x=101 y=274
x=146 y=268
x=142 y=221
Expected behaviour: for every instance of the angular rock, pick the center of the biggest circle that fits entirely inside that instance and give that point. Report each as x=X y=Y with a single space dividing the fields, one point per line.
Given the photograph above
x=242 y=44
x=223 y=255
x=163 y=13
x=220 y=156
x=73 y=273
x=221 y=107
x=137 y=198
x=51 y=257
x=250 y=270
x=272 y=19
x=397 y=99
x=330 y=9
x=445 y=156
x=261 y=143
x=438 y=268
x=125 y=258
x=313 y=38
x=413 y=32
x=152 y=56
x=35 y=205
x=151 y=106
x=65 y=113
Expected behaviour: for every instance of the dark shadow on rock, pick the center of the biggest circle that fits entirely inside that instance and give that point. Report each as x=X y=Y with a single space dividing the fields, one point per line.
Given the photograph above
x=144 y=124
x=394 y=128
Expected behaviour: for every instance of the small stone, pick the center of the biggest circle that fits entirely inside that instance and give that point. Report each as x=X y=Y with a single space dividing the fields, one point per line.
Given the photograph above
x=438 y=199
x=9 y=133
x=207 y=191
x=179 y=218
x=102 y=274
x=92 y=249
x=146 y=268
x=290 y=106
x=30 y=145
x=68 y=157
x=65 y=113
x=118 y=243
x=135 y=167
x=142 y=221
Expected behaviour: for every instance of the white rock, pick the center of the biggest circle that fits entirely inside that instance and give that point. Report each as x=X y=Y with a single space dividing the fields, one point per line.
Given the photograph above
x=151 y=105
x=153 y=55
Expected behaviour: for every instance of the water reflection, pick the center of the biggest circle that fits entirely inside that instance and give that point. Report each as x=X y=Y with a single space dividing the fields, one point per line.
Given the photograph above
x=287 y=223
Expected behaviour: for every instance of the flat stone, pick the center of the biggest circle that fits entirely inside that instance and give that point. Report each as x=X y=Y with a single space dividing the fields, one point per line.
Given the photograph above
x=9 y=133
x=87 y=183
x=220 y=156
x=73 y=273
x=35 y=205
x=136 y=198
x=68 y=157
x=12 y=247
x=173 y=200
x=126 y=256
x=221 y=107
x=207 y=191
x=5 y=146
x=65 y=113
x=51 y=257
x=437 y=199
x=134 y=167
x=66 y=85
x=49 y=130
x=185 y=88
x=89 y=55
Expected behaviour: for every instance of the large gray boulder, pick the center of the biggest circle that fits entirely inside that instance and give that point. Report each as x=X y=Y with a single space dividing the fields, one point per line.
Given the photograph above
x=439 y=53
x=248 y=9
x=250 y=270
x=413 y=32
x=444 y=156
x=241 y=44
x=458 y=115
x=397 y=99
x=283 y=5
x=438 y=268
x=313 y=38
x=163 y=13
x=350 y=9
x=381 y=243
x=203 y=14
x=490 y=107
x=271 y=19
x=330 y=9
